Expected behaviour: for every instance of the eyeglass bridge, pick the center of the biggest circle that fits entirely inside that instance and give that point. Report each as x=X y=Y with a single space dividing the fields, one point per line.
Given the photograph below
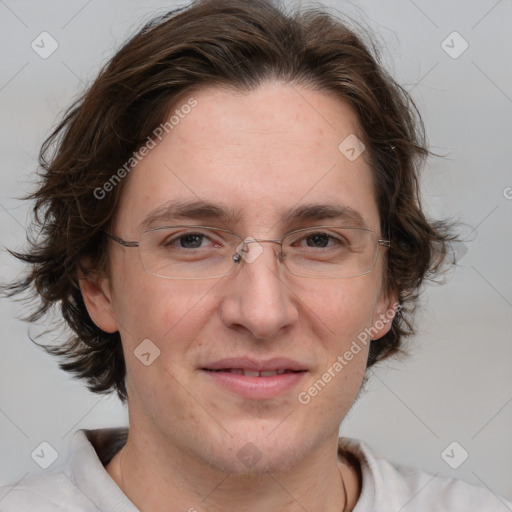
x=237 y=257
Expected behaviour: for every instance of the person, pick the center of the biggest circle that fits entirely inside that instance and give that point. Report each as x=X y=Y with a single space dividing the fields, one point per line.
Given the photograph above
x=229 y=220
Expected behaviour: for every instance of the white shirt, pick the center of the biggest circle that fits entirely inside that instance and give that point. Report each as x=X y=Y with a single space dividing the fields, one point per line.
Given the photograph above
x=83 y=485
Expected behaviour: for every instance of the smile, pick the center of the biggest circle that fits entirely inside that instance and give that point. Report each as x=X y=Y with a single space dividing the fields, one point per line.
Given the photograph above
x=253 y=373
x=253 y=379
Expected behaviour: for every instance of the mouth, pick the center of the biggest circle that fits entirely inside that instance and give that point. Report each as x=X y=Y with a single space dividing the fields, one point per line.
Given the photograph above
x=252 y=373
x=255 y=380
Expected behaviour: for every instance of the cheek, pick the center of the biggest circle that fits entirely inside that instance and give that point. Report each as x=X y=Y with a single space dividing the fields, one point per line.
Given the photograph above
x=165 y=311
x=330 y=394
x=164 y=319
x=340 y=313
x=341 y=309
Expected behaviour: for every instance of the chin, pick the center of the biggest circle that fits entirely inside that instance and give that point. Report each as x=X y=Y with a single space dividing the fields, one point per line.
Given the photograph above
x=250 y=454
x=250 y=460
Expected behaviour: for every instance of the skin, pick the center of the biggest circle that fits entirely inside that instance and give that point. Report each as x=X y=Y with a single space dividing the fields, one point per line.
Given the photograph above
x=260 y=153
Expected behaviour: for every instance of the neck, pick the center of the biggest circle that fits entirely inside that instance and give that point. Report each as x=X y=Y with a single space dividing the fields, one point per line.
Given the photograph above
x=155 y=480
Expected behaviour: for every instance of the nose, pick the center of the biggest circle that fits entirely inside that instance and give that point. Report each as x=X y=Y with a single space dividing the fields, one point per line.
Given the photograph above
x=257 y=297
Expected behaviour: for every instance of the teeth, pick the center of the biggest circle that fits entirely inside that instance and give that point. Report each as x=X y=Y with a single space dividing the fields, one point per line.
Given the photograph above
x=255 y=373
x=251 y=373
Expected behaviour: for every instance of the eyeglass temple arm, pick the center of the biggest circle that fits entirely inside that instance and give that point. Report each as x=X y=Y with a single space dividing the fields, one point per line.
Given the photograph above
x=125 y=243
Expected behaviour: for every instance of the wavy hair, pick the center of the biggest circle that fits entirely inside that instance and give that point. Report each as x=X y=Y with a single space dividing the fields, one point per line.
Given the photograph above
x=232 y=43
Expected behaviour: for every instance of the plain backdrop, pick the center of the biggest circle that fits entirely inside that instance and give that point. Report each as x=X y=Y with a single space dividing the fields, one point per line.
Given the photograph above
x=457 y=384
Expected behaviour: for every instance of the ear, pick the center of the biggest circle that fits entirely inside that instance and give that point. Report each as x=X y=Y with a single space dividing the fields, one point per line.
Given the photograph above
x=386 y=309
x=96 y=292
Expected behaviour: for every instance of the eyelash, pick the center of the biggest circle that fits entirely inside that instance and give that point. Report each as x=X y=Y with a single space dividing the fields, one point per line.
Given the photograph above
x=172 y=239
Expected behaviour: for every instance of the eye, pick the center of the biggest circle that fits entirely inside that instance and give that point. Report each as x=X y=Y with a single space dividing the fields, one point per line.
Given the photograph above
x=321 y=240
x=190 y=240
x=318 y=240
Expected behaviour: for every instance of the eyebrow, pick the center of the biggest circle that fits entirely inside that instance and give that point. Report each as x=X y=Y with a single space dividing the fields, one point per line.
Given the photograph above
x=207 y=211
x=320 y=212
x=197 y=210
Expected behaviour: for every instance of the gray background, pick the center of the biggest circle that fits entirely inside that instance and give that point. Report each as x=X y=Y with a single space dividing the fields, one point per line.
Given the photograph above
x=457 y=384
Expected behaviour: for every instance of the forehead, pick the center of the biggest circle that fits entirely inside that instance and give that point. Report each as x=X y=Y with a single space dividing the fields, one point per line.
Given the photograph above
x=260 y=154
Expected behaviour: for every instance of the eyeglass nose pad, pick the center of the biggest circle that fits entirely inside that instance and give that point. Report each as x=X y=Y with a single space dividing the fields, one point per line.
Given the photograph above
x=237 y=257
x=243 y=247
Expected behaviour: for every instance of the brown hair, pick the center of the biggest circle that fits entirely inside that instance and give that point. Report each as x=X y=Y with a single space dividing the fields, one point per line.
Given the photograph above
x=235 y=43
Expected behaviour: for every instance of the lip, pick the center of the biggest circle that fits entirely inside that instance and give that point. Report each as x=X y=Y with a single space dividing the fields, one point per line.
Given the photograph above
x=255 y=388
x=247 y=363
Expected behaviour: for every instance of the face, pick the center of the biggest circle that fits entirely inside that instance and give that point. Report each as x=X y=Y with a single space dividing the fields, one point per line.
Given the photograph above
x=258 y=155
